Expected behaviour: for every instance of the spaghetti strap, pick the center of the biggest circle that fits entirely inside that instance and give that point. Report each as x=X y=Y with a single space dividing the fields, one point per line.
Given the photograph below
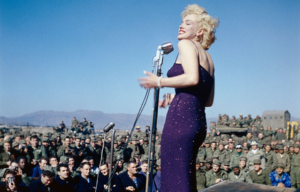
x=199 y=56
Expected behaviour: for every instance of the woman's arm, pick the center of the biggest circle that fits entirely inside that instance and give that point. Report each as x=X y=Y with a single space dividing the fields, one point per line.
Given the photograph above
x=189 y=61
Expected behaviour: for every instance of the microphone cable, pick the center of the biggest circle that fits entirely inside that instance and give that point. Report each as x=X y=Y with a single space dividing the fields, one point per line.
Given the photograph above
x=125 y=146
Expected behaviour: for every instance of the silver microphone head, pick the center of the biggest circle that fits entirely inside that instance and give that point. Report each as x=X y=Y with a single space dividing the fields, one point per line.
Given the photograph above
x=167 y=48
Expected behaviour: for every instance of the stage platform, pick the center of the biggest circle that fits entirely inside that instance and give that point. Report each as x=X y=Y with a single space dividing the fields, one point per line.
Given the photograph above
x=230 y=186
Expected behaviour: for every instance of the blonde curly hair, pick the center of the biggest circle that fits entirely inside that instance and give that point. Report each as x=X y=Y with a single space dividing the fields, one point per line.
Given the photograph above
x=204 y=21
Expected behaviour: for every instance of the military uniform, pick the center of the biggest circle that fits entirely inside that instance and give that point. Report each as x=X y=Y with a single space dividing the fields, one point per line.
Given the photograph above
x=36 y=153
x=212 y=176
x=295 y=170
x=271 y=161
x=235 y=158
x=285 y=160
x=200 y=179
x=251 y=156
x=242 y=177
x=260 y=178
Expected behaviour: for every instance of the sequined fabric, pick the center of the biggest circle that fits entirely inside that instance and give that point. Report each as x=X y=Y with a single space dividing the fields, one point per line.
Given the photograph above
x=183 y=133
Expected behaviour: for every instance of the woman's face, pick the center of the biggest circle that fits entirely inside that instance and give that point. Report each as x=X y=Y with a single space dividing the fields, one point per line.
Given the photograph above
x=188 y=28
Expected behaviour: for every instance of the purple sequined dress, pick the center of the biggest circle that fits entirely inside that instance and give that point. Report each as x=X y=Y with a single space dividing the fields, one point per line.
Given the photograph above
x=183 y=133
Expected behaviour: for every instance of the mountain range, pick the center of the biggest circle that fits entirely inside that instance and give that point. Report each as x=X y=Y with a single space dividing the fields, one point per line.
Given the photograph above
x=100 y=119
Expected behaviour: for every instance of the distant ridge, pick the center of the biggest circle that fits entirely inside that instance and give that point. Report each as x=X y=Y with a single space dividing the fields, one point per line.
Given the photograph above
x=100 y=119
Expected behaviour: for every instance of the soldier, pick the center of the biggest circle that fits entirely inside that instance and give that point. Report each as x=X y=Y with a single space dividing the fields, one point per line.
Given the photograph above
x=284 y=159
x=271 y=159
x=231 y=150
x=65 y=149
x=200 y=177
x=280 y=135
x=241 y=121
x=295 y=170
x=238 y=175
x=255 y=153
x=138 y=132
x=280 y=178
x=220 y=120
x=212 y=125
x=226 y=166
x=243 y=164
x=235 y=158
x=7 y=155
x=84 y=123
x=226 y=120
x=35 y=151
x=291 y=152
x=208 y=165
x=258 y=175
x=223 y=154
x=215 y=176
x=145 y=146
x=233 y=122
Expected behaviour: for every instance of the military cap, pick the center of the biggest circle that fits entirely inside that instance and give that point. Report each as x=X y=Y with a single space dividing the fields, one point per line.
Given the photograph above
x=220 y=115
x=257 y=161
x=48 y=168
x=158 y=162
x=296 y=146
x=22 y=141
x=243 y=159
x=197 y=161
x=207 y=142
x=236 y=165
x=115 y=141
x=46 y=135
x=254 y=142
x=249 y=115
x=15 y=144
x=82 y=137
x=1 y=136
x=45 y=140
x=281 y=165
x=63 y=137
x=144 y=158
x=64 y=159
x=52 y=139
x=238 y=146
x=245 y=148
x=208 y=160
x=280 y=147
x=226 y=162
x=21 y=135
x=138 y=127
x=225 y=143
x=217 y=162
x=7 y=141
x=241 y=114
x=213 y=141
x=146 y=140
x=202 y=160
x=260 y=145
x=94 y=140
x=215 y=156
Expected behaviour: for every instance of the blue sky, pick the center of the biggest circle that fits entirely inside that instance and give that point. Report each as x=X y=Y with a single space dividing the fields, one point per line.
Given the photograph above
x=70 y=55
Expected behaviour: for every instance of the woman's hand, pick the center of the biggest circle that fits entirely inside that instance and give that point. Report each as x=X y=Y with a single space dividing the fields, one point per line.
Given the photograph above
x=166 y=101
x=148 y=82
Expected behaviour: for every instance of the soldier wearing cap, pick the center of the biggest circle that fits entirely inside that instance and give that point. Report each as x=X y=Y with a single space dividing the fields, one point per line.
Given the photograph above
x=238 y=175
x=241 y=121
x=117 y=150
x=35 y=151
x=284 y=159
x=280 y=135
x=243 y=164
x=215 y=176
x=253 y=154
x=80 y=151
x=145 y=146
x=235 y=158
x=200 y=176
x=226 y=166
x=271 y=159
x=219 y=122
x=279 y=178
x=208 y=165
x=258 y=175
x=212 y=125
x=295 y=170
x=7 y=155
x=138 y=132
x=65 y=149
x=233 y=122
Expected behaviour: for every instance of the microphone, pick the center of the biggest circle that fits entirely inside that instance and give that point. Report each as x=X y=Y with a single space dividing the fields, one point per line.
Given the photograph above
x=167 y=48
x=108 y=127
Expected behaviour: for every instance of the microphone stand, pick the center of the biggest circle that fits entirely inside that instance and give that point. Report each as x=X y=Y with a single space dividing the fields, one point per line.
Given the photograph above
x=157 y=59
x=103 y=145
x=111 y=156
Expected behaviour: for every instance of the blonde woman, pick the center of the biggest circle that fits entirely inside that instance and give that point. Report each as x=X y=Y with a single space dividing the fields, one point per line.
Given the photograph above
x=192 y=76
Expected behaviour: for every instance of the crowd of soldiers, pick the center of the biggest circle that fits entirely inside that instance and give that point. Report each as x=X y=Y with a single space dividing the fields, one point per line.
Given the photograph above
x=70 y=160
x=264 y=156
